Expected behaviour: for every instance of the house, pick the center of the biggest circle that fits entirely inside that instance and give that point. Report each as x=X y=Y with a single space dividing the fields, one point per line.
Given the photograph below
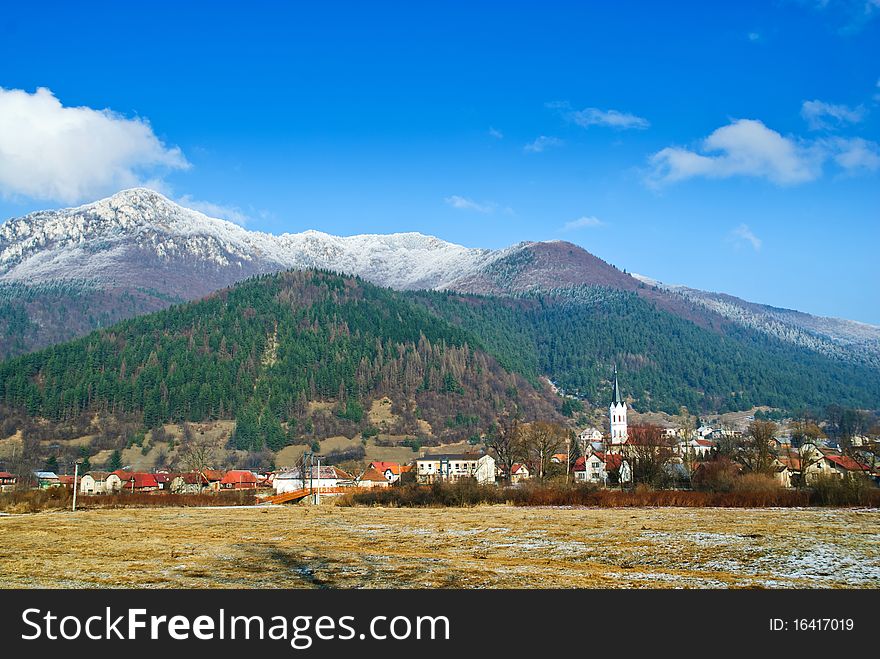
x=192 y=482
x=139 y=482
x=7 y=481
x=835 y=465
x=323 y=477
x=46 y=479
x=595 y=467
x=213 y=476
x=239 y=479
x=695 y=448
x=373 y=478
x=588 y=435
x=66 y=481
x=782 y=474
x=94 y=482
x=725 y=433
x=390 y=470
x=163 y=479
x=452 y=467
x=787 y=469
x=519 y=472
x=559 y=458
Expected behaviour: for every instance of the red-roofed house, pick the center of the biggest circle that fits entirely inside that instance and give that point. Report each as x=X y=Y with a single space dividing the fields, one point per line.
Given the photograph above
x=7 y=481
x=163 y=479
x=191 y=482
x=390 y=470
x=139 y=482
x=519 y=472
x=834 y=464
x=373 y=478
x=66 y=481
x=239 y=479
x=598 y=466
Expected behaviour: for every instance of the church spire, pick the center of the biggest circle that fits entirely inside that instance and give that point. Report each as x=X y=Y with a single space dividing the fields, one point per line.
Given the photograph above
x=616 y=398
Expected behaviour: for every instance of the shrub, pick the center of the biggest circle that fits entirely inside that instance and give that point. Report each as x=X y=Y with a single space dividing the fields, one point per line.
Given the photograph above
x=756 y=483
x=716 y=476
x=835 y=491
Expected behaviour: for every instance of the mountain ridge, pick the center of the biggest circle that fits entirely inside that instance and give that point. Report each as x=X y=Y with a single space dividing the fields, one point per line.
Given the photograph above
x=138 y=250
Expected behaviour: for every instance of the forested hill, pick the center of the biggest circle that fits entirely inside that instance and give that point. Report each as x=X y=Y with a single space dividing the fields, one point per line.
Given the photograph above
x=265 y=351
x=575 y=335
x=262 y=351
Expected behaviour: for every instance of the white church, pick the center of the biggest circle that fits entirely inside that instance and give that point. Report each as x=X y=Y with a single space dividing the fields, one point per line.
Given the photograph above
x=617 y=415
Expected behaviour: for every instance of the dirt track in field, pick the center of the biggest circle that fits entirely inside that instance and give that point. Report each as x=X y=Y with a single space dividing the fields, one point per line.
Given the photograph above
x=483 y=547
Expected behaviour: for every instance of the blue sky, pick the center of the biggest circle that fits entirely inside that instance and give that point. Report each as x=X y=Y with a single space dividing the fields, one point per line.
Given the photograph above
x=729 y=148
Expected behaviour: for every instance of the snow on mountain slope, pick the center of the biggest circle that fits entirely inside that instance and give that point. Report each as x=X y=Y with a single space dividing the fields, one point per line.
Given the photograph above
x=143 y=250
x=844 y=339
x=123 y=238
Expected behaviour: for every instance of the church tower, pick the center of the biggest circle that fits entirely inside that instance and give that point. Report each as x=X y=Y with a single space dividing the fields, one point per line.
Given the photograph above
x=617 y=414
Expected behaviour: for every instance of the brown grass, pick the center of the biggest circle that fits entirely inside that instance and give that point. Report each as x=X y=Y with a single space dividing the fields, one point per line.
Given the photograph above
x=480 y=547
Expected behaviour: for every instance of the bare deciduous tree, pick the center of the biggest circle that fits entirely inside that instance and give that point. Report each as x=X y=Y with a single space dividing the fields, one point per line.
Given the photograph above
x=541 y=440
x=196 y=452
x=756 y=450
x=649 y=451
x=507 y=442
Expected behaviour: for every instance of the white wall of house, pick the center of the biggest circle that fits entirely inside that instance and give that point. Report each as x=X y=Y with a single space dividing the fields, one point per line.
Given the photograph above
x=88 y=485
x=595 y=471
x=284 y=483
x=481 y=468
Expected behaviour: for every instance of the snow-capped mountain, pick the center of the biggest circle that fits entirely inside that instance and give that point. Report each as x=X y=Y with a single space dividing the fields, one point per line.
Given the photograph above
x=65 y=272
x=128 y=238
x=844 y=339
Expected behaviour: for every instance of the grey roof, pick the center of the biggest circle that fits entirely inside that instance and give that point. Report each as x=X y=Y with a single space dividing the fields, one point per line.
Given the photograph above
x=616 y=398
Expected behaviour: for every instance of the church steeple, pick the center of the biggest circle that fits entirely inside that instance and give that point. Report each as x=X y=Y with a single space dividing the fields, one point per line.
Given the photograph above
x=616 y=398
x=617 y=414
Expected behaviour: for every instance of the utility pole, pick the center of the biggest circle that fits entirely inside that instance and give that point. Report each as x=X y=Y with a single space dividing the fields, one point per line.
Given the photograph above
x=75 y=475
x=318 y=491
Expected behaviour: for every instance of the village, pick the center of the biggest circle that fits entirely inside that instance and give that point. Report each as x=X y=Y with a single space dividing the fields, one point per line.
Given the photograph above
x=623 y=456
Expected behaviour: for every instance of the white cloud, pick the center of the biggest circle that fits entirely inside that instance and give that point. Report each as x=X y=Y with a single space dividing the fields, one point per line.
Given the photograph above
x=742 y=234
x=611 y=118
x=821 y=115
x=497 y=134
x=541 y=144
x=745 y=147
x=583 y=223
x=854 y=154
x=71 y=154
x=850 y=15
x=231 y=213
x=465 y=204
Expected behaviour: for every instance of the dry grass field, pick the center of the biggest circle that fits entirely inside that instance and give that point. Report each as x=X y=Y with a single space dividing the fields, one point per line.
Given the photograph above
x=483 y=547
